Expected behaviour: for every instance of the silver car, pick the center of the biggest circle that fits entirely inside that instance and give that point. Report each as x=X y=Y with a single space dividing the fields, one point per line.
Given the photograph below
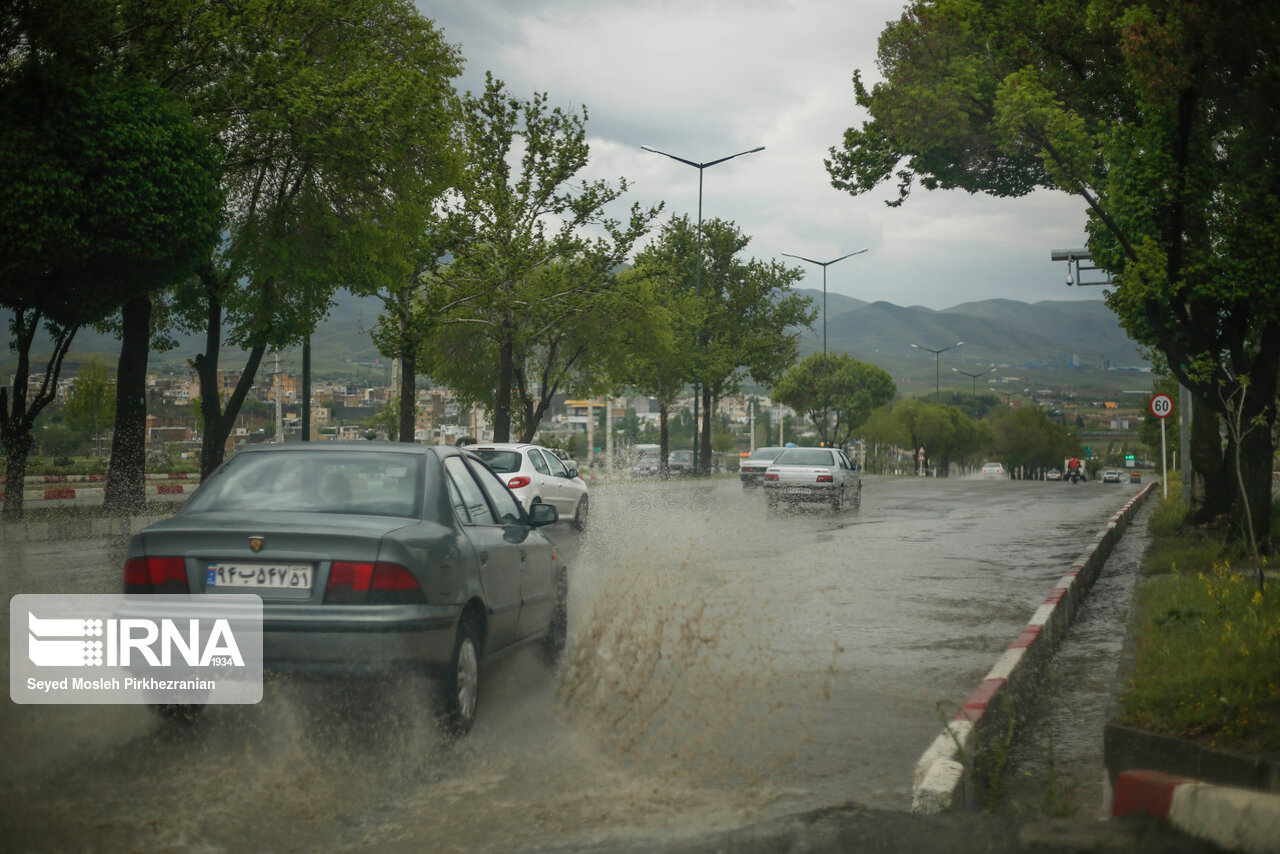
x=536 y=475
x=812 y=475
x=370 y=558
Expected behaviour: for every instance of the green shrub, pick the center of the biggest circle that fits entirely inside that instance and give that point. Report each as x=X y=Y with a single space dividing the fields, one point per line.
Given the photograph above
x=1208 y=662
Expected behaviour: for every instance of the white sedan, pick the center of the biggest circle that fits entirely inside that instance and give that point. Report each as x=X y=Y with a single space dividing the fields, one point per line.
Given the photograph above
x=538 y=476
x=812 y=475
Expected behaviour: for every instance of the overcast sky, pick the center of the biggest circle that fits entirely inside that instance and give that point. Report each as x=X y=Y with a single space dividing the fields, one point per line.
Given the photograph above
x=707 y=79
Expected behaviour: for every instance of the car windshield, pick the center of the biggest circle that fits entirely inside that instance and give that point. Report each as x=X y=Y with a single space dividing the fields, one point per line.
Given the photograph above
x=804 y=457
x=503 y=462
x=359 y=483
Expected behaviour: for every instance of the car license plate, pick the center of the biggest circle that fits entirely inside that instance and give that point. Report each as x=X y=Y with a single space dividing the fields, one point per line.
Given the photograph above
x=270 y=575
x=797 y=490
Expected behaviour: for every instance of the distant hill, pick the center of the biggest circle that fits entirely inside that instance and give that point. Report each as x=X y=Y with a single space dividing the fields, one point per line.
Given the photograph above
x=996 y=332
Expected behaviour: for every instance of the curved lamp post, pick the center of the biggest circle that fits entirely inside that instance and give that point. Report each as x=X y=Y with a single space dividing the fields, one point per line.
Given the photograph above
x=698 y=271
x=937 y=369
x=824 y=265
x=973 y=377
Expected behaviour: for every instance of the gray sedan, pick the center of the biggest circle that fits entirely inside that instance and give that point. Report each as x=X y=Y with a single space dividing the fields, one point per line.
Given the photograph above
x=370 y=558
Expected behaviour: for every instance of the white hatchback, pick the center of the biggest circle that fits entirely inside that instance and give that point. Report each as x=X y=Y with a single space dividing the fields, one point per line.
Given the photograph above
x=538 y=476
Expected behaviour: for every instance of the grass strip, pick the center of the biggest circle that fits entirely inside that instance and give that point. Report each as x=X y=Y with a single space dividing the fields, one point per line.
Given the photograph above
x=1208 y=652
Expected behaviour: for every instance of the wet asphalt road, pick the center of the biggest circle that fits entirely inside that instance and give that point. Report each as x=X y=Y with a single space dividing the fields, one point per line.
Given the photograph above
x=724 y=668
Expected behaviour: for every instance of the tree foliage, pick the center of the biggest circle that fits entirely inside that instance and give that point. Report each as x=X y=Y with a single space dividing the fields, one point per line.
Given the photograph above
x=741 y=316
x=91 y=405
x=1161 y=117
x=328 y=112
x=529 y=289
x=835 y=384
x=111 y=190
x=1026 y=438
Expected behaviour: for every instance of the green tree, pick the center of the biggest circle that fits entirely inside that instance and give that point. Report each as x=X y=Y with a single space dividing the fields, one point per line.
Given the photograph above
x=659 y=362
x=525 y=276
x=91 y=404
x=743 y=314
x=946 y=433
x=1026 y=438
x=329 y=112
x=1156 y=115
x=113 y=182
x=387 y=420
x=837 y=383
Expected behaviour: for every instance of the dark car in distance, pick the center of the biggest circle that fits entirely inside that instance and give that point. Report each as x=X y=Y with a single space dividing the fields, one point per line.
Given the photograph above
x=370 y=559
x=751 y=470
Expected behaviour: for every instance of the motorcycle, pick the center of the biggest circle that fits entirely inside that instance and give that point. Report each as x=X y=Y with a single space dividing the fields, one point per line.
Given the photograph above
x=1073 y=475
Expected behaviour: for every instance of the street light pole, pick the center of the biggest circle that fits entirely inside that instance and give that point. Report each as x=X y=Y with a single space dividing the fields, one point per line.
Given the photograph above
x=974 y=377
x=937 y=367
x=698 y=272
x=824 y=265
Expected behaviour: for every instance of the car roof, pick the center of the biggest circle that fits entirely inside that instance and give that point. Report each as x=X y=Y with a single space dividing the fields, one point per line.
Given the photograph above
x=328 y=447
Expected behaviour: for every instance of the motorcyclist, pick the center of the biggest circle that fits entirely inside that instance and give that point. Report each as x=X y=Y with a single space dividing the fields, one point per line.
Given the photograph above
x=1073 y=468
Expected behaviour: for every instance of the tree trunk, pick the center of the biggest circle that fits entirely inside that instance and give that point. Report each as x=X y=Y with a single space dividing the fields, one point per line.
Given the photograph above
x=1210 y=496
x=16 y=448
x=664 y=435
x=704 y=452
x=408 y=393
x=126 y=472
x=17 y=413
x=502 y=393
x=1256 y=454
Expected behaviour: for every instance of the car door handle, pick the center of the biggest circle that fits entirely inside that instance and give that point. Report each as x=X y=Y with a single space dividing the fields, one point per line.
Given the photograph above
x=484 y=557
x=522 y=556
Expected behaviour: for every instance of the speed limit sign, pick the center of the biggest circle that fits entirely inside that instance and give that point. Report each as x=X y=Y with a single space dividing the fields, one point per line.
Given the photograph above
x=1161 y=406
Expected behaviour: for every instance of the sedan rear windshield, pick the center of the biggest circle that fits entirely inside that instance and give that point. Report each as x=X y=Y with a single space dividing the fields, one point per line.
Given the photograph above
x=804 y=457
x=363 y=484
x=766 y=453
x=503 y=462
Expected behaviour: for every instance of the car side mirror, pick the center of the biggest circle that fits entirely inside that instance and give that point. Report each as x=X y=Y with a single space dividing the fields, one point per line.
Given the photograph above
x=573 y=473
x=542 y=514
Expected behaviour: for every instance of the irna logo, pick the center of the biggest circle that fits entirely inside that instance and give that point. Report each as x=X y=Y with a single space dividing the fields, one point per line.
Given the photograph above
x=62 y=642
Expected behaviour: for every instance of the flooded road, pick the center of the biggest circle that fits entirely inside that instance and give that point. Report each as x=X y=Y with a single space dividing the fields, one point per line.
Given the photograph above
x=724 y=667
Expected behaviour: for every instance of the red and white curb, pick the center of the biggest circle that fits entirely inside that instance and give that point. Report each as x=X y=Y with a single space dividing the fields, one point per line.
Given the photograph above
x=78 y=494
x=37 y=479
x=939 y=776
x=1236 y=819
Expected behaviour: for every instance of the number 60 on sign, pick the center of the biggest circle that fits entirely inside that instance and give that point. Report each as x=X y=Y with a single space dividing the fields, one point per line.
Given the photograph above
x=1161 y=406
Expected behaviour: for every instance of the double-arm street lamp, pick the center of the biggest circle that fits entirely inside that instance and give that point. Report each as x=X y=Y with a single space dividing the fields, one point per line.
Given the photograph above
x=937 y=369
x=974 y=377
x=824 y=265
x=698 y=271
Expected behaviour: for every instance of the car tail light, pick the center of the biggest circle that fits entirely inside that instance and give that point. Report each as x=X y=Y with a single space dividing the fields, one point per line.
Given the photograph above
x=155 y=575
x=771 y=477
x=826 y=478
x=356 y=583
x=519 y=481
x=750 y=469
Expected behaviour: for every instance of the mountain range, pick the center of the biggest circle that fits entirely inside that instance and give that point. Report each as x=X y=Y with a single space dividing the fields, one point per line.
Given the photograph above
x=994 y=332
x=997 y=332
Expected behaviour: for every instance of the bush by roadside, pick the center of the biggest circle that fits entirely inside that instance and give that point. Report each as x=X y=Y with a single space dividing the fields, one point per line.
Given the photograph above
x=1208 y=652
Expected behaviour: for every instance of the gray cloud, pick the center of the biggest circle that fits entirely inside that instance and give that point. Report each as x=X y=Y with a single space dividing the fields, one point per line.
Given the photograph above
x=707 y=79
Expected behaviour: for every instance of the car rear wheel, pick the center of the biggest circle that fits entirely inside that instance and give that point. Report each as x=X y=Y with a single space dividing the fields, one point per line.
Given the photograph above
x=553 y=643
x=580 y=515
x=837 y=499
x=461 y=692
x=857 y=496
